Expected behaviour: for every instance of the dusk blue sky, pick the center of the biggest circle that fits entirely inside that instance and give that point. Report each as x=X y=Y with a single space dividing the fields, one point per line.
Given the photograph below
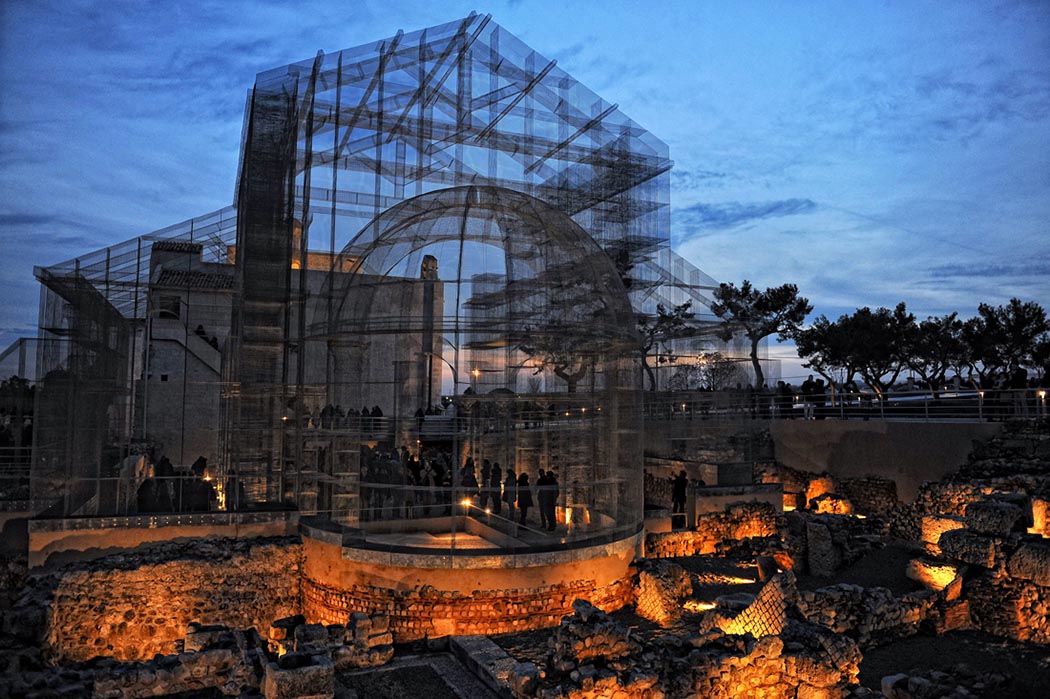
x=869 y=152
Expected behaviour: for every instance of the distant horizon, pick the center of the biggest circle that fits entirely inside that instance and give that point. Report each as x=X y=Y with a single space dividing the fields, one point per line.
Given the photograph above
x=894 y=153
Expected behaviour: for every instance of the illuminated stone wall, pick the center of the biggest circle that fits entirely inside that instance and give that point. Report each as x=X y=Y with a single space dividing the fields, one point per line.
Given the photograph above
x=867 y=614
x=132 y=606
x=739 y=521
x=428 y=613
x=595 y=657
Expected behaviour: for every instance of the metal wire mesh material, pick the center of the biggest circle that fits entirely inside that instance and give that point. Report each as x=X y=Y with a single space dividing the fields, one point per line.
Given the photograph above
x=443 y=228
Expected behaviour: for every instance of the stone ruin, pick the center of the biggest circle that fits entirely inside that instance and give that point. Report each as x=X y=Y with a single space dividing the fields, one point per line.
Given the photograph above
x=297 y=660
x=660 y=587
x=982 y=561
x=591 y=655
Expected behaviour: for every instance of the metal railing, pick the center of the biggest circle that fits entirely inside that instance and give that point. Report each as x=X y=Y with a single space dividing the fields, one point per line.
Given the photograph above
x=950 y=404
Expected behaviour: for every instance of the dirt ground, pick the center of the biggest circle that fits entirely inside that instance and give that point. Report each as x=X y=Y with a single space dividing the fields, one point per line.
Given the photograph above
x=879 y=568
x=1027 y=664
x=437 y=676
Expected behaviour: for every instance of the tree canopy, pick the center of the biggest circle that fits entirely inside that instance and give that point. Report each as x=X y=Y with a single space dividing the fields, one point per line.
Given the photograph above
x=659 y=330
x=758 y=314
x=879 y=345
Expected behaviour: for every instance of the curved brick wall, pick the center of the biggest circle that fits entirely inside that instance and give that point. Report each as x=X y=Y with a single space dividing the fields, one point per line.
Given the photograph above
x=481 y=595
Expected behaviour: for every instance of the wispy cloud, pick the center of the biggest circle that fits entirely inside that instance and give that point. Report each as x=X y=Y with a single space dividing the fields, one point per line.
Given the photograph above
x=735 y=213
x=993 y=269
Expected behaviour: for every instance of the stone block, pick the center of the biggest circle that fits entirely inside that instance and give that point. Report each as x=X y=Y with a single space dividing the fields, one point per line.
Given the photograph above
x=933 y=526
x=894 y=686
x=299 y=676
x=380 y=639
x=969 y=547
x=957 y=616
x=380 y=623
x=931 y=575
x=359 y=627
x=823 y=556
x=817 y=487
x=1040 y=516
x=524 y=679
x=831 y=504
x=283 y=628
x=1031 y=562
x=200 y=636
x=311 y=637
x=993 y=517
x=767 y=567
x=954 y=589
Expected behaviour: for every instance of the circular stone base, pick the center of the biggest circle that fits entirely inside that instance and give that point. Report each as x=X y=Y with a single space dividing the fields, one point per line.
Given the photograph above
x=428 y=595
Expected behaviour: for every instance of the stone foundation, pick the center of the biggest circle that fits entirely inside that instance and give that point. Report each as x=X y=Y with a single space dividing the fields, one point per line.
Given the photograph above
x=430 y=613
x=133 y=606
x=430 y=596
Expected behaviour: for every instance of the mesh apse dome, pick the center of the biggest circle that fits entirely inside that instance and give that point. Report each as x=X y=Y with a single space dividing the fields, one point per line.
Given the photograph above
x=491 y=329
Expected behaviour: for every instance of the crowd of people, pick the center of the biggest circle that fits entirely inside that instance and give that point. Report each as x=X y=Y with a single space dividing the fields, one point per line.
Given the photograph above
x=815 y=399
x=401 y=485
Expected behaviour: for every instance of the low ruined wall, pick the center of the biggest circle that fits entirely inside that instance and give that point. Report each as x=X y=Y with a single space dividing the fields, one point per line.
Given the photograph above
x=430 y=613
x=593 y=656
x=739 y=521
x=55 y=542
x=135 y=605
x=1012 y=597
x=867 y=614
x=427 y=596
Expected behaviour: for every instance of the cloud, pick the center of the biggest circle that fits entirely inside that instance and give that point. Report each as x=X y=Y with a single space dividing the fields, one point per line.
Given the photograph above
x=735 y=213
x=686 y=179
x=1017 y=269
x=24 y=219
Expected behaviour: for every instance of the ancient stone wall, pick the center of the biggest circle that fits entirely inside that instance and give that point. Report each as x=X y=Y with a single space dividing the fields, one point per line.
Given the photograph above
x=134 y=605
x=660 y=587
x=739 y=521
x=871 y=495
x=427 y=612
x=868 y=614
x=1012 y=596
x=594 y=657
x=823 y=543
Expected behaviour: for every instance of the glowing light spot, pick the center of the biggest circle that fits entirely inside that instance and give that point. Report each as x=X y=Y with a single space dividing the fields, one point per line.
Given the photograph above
x=466 y=502
x=693 y=605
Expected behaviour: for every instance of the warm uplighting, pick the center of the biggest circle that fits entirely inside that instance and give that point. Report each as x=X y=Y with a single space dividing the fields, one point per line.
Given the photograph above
x=693 y=605
x=740 y=581
x=789 y=508
x=475 y=373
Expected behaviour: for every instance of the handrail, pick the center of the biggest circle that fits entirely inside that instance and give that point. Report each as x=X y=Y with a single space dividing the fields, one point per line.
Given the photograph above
x=918 y=405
